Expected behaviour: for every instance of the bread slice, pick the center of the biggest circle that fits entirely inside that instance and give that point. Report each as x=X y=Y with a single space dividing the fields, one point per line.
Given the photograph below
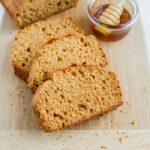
x=25 y=12
x=63 y=53
x=76 y=94
x=29 y=39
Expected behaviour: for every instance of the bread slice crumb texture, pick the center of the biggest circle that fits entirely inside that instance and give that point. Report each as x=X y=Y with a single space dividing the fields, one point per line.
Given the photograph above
x=76 y=94
x=64 y=53
x=31 y=38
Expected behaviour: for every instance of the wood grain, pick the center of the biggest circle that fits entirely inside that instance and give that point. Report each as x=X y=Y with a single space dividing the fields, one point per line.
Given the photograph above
x=127 y=58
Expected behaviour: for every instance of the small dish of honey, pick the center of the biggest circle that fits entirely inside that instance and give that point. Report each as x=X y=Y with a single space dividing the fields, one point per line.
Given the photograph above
x=107 y=32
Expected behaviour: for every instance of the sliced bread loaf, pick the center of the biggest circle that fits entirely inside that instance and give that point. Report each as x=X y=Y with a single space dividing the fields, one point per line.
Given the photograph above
x=25 y=12
x=63 y=53
x=76 y=94
x=29 y=39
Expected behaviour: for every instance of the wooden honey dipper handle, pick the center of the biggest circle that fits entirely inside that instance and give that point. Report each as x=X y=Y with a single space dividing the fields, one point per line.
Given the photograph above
x=111 y=16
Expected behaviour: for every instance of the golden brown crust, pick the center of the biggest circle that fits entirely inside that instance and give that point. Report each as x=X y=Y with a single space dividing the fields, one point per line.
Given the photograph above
x=13 y=6
x=22 y=74
x=10 y=6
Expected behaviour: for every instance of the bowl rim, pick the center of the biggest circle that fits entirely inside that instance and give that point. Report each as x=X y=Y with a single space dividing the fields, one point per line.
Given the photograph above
x=95 y=21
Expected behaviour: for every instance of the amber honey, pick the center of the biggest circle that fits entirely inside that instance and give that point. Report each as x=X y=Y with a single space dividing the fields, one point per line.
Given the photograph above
x=111 y=33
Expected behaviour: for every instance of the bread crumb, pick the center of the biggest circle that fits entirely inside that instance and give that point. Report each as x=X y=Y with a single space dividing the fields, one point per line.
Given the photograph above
x=127 y=103
x=133 y=122
x=103 y=147
x=120 y=111
x=96 y=134
x=11 y=134
x=120 y=139
x=122 y=133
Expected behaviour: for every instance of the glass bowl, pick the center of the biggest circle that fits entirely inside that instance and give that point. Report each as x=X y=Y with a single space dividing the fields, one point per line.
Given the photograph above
x=107 y=32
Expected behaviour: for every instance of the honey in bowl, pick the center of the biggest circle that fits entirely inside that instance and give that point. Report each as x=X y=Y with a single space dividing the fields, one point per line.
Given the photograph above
x=108 y=32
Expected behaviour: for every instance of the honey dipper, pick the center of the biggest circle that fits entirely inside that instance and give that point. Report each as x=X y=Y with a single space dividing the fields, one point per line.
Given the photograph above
x=111 y=15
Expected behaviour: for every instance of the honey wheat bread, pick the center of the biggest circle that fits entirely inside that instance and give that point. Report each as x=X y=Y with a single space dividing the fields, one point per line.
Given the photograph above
x=25 y=12
x=63 y=53
x=29 y=39
x=75 y=94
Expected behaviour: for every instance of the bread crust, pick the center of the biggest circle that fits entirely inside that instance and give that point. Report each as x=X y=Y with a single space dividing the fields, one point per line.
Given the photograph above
x=20 y=73
x=13 y=7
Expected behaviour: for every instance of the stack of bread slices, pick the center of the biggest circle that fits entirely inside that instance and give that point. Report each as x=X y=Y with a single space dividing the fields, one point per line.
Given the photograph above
x=64 y=69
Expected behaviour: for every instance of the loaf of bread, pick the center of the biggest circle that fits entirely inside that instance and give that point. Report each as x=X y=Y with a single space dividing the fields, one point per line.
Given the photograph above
x=32 y=37
x=75 y=94
x=63 y=53
x=25 y=12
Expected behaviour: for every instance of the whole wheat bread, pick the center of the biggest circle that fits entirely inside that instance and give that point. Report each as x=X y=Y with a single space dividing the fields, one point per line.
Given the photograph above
x=63 y=53
x=75 y=94
x=25 y=12
x=31 y=38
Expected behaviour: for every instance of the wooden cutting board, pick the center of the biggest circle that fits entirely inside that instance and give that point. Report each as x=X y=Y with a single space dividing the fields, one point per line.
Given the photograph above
x=127 y=58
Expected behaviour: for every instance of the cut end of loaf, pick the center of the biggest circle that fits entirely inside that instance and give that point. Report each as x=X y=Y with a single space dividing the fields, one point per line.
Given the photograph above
x=74 y=95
